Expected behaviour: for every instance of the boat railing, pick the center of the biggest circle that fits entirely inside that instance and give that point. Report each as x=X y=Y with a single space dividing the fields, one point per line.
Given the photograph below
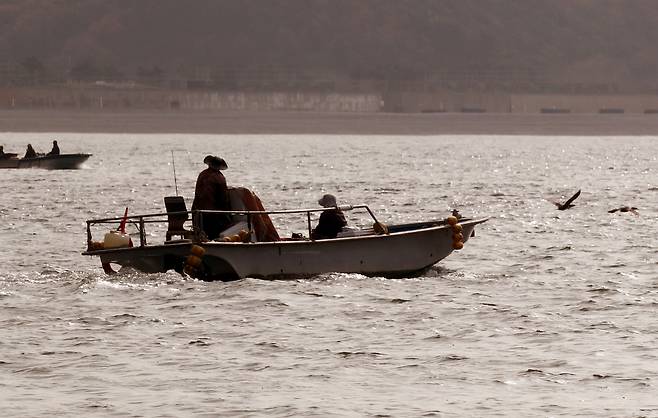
x=140 y=221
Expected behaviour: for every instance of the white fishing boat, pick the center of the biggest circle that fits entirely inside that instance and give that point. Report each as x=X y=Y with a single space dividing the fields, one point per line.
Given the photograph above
x=252 y=247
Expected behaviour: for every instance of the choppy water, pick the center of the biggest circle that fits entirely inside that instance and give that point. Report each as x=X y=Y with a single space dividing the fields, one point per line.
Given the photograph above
x=544 y=313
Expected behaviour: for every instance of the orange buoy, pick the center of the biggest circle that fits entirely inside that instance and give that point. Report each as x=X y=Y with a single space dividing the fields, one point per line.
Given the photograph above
x=96 y=245
x=193 y=265
x=244 y=236
x=457 y=228
x=452 y=220
x=380 y=228
x=197 y=250
x=193 y=261
x=458 y=245
x=457 y=237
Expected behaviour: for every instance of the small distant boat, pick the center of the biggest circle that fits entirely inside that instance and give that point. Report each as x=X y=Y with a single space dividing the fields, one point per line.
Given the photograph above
x=49 y=162
x=253 y=248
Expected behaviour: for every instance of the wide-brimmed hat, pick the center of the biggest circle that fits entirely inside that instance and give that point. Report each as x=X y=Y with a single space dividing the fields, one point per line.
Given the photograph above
x=215 y=162
x=327 y=201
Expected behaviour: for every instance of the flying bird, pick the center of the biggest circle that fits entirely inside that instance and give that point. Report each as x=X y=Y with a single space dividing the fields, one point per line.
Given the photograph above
x=630 y=209
x=568 y=204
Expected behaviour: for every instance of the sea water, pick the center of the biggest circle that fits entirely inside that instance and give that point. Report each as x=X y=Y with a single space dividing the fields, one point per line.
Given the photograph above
x=543 y=313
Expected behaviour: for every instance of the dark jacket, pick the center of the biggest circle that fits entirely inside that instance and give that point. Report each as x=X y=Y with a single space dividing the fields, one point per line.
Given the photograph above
x=30 y=153
x=55 y=150
x=330 y=224
x=211 y=193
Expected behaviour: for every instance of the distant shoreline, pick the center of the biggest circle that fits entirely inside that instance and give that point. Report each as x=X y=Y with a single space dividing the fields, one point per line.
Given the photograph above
x=170 y=121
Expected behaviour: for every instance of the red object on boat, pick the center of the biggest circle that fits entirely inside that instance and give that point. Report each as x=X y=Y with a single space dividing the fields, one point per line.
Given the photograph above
x=122 y=225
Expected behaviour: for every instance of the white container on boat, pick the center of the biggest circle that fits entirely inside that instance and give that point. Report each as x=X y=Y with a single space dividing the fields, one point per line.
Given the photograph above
x=115 y=239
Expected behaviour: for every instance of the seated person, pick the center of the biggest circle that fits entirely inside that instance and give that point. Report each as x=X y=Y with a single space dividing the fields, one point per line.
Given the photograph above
x=30 y=152
x=55 y=150
x=6 y=155
x=331 y=221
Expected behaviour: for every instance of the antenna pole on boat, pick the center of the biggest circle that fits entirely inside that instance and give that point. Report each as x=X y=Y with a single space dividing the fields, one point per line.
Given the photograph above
x=173 y=164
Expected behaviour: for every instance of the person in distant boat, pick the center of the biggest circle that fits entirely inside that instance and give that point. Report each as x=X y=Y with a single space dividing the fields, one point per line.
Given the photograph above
x=211 y=193
x=30 y=152
x=6 y=155
x=55 y=150
x=331 y=221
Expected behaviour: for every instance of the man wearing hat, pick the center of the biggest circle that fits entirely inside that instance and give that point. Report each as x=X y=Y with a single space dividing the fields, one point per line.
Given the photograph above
x=211 y=193
x=331 y=220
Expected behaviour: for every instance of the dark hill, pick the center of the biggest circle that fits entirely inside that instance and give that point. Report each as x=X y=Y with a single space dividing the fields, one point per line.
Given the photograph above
x=558 y=41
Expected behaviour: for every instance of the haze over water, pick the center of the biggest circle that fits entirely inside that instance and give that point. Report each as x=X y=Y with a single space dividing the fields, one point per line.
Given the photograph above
x=543 y=313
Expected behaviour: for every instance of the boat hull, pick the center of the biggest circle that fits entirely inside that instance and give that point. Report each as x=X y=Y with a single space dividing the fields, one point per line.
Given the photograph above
x=398 y=254
x=49 y=162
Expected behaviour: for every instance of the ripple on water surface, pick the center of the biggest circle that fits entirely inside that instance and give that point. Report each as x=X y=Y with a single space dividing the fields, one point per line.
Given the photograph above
x=543 y=313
